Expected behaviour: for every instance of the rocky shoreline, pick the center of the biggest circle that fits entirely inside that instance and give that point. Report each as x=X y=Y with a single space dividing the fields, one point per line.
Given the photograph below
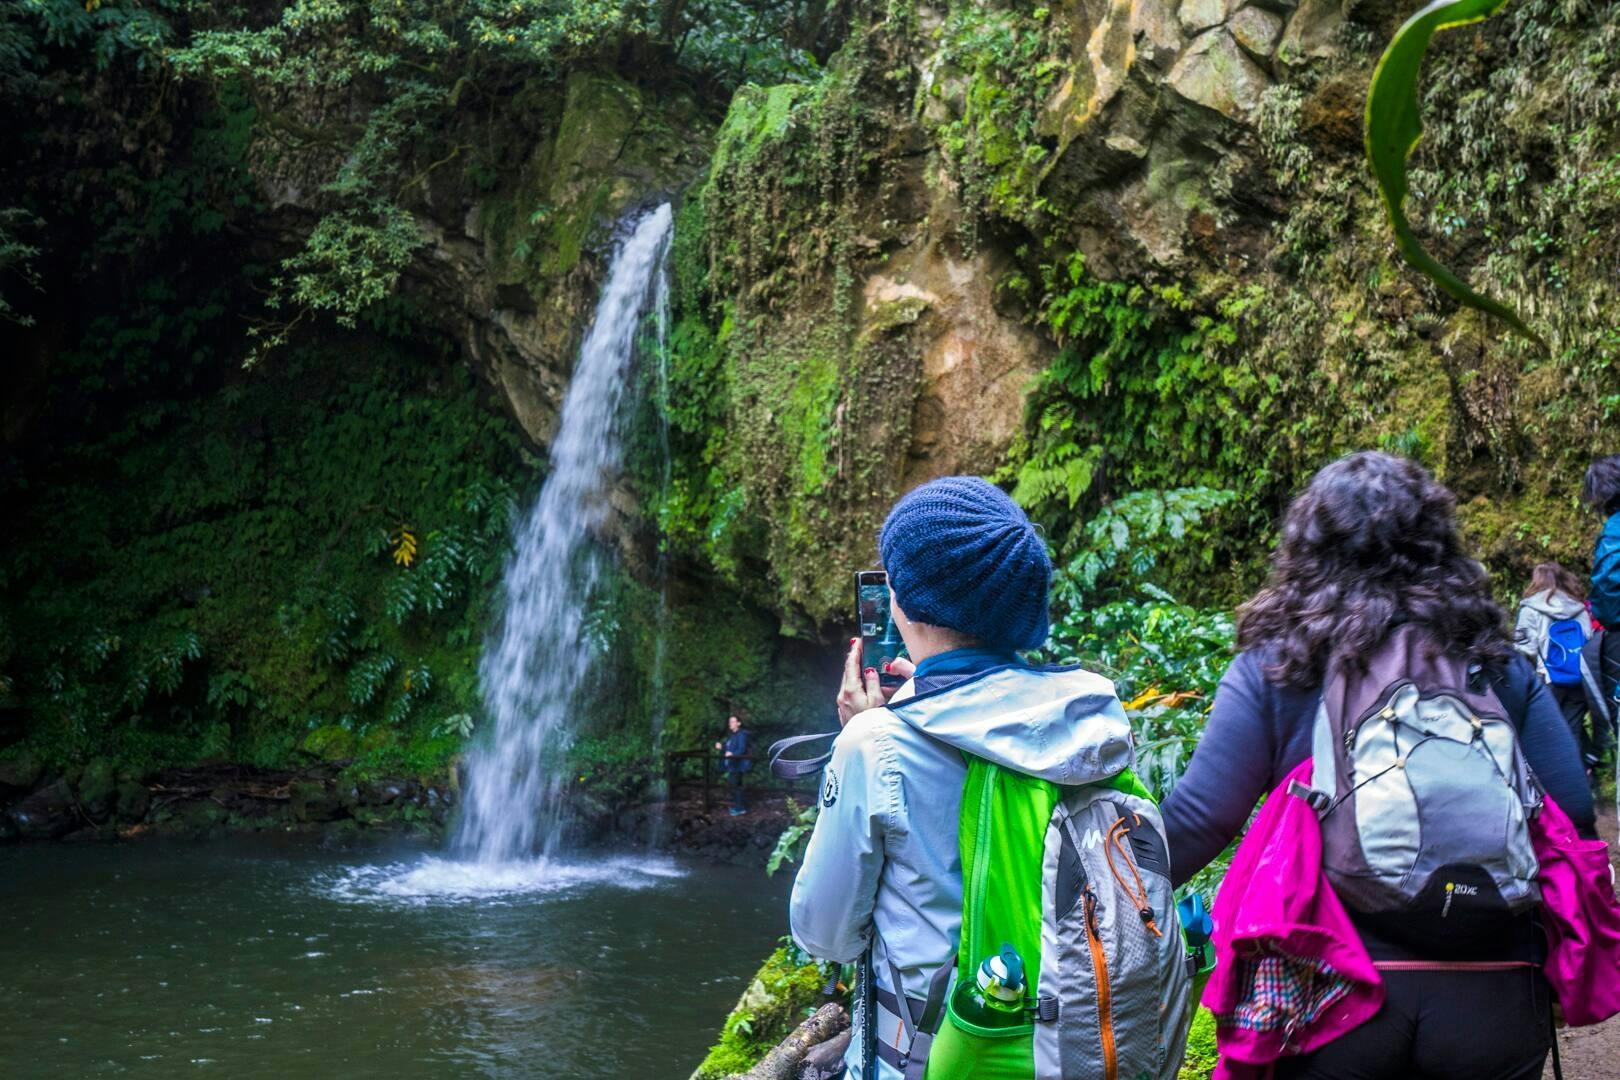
x=102 y=800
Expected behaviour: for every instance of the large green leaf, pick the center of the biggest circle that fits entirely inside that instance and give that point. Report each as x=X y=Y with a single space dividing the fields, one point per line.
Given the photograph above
x=1394 y=127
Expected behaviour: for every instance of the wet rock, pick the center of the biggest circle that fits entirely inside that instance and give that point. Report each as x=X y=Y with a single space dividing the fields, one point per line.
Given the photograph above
x=1257 y=30
x=132 y=801
x=385 y=793
x=98 y=787
x=1215 y=72
x=21 y=771
x=46 y=814
x=313 y=801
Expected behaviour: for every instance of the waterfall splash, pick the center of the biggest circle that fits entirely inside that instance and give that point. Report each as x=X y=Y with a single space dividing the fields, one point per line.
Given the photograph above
x=511 y=825
x=532 y=670
x=506 y=843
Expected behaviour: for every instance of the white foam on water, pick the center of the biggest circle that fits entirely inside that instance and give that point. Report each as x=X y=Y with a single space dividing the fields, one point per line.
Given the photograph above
x=434 y=880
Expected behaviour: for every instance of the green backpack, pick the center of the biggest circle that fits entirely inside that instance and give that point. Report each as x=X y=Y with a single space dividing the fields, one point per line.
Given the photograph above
x=1077 y=881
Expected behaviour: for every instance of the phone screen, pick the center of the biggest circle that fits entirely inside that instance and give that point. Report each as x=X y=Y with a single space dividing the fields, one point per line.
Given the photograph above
x=880 y=640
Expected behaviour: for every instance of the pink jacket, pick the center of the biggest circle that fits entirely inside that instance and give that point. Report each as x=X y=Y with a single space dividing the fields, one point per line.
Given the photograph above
x=1293 y=974
x=1581 y=916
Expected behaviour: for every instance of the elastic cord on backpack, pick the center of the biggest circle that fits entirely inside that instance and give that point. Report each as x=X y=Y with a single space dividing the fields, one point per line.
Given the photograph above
x=1117 y=832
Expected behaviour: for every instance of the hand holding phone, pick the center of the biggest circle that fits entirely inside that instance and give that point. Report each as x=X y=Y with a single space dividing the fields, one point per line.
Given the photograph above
x=880 y=639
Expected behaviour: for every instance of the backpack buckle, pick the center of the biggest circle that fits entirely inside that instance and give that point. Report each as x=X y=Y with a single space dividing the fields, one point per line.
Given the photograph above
x=1318 y=800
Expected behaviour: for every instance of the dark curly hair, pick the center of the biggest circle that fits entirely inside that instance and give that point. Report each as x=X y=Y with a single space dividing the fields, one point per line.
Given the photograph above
x=1370 y=544
x=1601 y=488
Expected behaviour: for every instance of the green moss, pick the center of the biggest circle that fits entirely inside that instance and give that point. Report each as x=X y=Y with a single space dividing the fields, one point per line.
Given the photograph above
x=776 y=1001
x=329 y=743
x=1202 y=1054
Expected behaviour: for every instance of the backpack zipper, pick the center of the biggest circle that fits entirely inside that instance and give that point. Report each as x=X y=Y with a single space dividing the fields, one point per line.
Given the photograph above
x=1105 y=1004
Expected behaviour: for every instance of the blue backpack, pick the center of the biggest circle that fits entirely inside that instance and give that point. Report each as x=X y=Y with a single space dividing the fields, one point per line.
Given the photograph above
x=1563 y=657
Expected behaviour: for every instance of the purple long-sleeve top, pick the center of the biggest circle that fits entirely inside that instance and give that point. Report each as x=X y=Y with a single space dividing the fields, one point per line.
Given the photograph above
x=1258 y=731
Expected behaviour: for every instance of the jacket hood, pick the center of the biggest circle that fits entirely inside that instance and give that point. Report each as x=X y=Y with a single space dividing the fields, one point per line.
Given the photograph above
x=1063 y=725
x=1557 y=605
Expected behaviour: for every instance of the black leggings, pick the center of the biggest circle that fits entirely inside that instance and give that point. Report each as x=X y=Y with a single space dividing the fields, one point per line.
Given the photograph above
x=1442 y=1025
x=1590 y=737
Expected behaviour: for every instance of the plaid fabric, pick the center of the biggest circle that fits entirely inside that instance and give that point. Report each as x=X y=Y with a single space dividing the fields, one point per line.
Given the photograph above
x=1282 y=992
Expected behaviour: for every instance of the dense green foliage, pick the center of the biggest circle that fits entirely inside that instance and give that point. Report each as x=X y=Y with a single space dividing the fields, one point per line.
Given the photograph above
x=301 y=558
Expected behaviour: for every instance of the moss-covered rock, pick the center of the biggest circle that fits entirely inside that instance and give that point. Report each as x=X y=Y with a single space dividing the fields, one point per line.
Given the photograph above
x=329 y=742
x=133 y=800
x=314 y=801
x=21 y=769
x=98 y=787
x=779 y=996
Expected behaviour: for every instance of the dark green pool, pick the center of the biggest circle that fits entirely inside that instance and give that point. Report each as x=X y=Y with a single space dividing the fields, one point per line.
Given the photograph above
x=258 y=958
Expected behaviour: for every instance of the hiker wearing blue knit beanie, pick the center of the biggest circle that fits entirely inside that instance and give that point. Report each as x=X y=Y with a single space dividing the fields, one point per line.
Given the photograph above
x=962 y=555
x=881 y=879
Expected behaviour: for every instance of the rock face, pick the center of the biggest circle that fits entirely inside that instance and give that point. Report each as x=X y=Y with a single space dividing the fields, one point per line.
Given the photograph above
x=877 y=263
x=512 y=273
x=1216 y=72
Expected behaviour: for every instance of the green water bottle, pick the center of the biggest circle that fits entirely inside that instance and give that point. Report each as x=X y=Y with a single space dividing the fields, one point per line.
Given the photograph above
x=995 y=999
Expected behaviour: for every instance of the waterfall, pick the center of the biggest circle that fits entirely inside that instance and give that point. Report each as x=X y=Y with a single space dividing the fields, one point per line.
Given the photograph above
x=537 y=659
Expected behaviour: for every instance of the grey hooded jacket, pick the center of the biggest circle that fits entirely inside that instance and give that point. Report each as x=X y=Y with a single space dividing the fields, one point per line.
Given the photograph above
x=883 y=858
x=1537 y=613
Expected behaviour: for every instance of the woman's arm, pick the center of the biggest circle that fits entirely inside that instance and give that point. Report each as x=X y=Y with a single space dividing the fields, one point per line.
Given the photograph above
x=836 y=890
x=1527 y=634
x=1229 y=772
x=1550 y=749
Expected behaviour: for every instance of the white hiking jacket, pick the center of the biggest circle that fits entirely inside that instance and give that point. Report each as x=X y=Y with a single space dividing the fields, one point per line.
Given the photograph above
x=884 y=852
x=1537 y=613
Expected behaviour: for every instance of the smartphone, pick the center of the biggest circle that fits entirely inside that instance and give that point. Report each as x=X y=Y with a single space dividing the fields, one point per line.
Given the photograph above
x=880 y=640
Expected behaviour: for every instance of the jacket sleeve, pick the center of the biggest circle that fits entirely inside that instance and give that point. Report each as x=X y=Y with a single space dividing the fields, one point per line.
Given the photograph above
x=836 y=889
x=1228 y=773
x=1527 y=636
x=1606 y=580
x=1551 y=751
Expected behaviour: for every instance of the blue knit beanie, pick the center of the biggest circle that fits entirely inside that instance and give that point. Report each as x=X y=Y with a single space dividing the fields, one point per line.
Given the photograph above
x=961 y=554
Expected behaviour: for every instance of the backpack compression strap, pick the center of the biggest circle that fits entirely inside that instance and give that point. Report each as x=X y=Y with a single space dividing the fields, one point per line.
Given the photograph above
x=903 y=1039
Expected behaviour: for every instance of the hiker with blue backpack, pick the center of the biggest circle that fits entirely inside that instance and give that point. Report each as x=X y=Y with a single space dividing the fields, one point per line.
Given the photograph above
x=1552 y=629
x=1377 y=676
x=982 y=850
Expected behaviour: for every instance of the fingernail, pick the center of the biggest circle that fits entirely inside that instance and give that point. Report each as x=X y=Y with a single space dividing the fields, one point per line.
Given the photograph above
x=871 y=671
x=886 y=664
x=854 y=641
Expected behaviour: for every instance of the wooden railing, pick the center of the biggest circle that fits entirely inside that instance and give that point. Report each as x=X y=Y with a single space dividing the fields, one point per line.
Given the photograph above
x=709 y=774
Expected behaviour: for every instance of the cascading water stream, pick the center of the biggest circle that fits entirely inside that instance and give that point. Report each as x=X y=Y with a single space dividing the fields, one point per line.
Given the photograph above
x=534 y=665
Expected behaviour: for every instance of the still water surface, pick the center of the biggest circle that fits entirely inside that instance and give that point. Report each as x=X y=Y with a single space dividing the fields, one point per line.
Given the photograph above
x=267 y=957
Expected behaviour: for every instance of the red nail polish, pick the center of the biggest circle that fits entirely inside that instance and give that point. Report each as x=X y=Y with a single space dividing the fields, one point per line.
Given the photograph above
x=887 y=665
x=871 y=671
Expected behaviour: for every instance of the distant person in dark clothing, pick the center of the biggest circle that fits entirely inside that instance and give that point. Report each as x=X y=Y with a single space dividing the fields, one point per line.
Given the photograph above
x=735 y=746
x=1371 y=545
x=1601 y=492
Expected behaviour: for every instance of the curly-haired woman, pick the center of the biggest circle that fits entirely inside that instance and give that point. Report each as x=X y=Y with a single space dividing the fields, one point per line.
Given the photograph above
x=1371 y=545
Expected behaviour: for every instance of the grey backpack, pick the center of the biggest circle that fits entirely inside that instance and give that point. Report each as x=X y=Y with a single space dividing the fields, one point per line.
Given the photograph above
x=1423 y=793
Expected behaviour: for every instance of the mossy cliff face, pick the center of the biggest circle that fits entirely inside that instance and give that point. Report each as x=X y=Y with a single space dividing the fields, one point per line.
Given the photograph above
x=516 y=225
x=1140 y=235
